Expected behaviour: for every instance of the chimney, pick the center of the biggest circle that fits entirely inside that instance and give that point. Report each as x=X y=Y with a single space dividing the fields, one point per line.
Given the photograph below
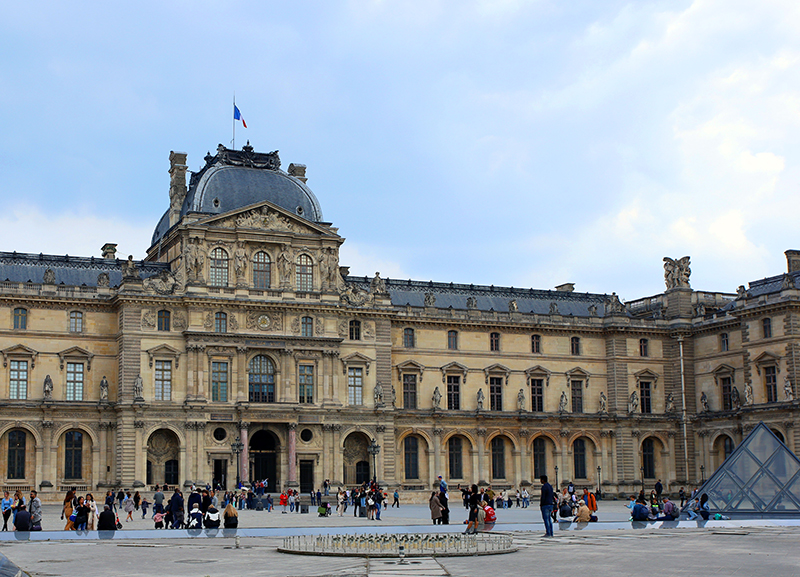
x=567 y=287
x=793 y=260
x=298 y=171
x=109 y=250
x=177 y=185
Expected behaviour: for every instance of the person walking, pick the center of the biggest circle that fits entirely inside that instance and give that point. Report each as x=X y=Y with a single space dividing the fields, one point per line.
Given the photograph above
x=158 y=502
x=36 y=511
x=546 y=502
x=128 y=506
x=66 y=510
x=436 y=509
x=472 y=519
x=396 y=497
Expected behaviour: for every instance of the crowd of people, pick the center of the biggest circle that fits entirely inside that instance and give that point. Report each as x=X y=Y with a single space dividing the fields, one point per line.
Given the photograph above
x=23 y=516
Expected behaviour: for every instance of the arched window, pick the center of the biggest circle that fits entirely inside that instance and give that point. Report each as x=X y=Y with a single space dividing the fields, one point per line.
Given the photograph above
x=262 y=380
x=494 y=342
x=75 y=322
x=355 y=330
x=579 y=458
x=16 y=454
x=73 y=455
x=452 y=340
x=539 y=457
x=220 y=323
x=727 y=447
x=261 y=270
x=218 y=268
x=20 y=319
x=643 y=349
x=307 y=327
x=305 y=273
x=408 y=338
x=498 y=458
x=575 y=345
x=649 y=459
x=411 y=453
x=455 y=457
x=163 y=320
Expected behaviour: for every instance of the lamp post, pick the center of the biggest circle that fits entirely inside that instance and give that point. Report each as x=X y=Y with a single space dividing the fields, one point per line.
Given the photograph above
x=237 y=446
x=702 y=474
x=641 y=469
x=557 y=487
x=599 y=492
x=373 y=449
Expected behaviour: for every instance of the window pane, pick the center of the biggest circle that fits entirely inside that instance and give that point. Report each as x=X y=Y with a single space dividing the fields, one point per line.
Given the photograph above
x=496 y=393
x=411 y=446
x=261 y=270
x=219 y=382
x=577 y=396
x=453 y=392
x=262 y=380
x=305 y=274
x=537 y=395
x=74 y=390
x=354 y=386
x=163 y=382
x=454 y=448
x=306 y=375
x=409 y=391
x=18 y=380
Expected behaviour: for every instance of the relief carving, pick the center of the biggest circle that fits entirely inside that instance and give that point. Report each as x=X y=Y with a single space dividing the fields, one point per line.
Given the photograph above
x=164 y=283
x=676 y=272
x=148 y=319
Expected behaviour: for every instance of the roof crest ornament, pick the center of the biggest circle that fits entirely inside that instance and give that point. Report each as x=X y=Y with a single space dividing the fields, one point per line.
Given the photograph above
x=248 y=158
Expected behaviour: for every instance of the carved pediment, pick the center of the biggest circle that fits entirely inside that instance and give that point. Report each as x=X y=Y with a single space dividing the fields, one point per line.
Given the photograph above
x=767 y=359
x=264 y=216
x=576 y=374
x=20 y=351
x=73 y=353
x=355 y=359
x=410 y=367
x=454 y=367
x=538 y=372
x=724 y=371
x=164 y=351
x=496 y=369
x=646 y=375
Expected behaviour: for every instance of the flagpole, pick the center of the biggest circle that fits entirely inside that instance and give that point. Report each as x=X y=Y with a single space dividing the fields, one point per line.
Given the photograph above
x=233 y=142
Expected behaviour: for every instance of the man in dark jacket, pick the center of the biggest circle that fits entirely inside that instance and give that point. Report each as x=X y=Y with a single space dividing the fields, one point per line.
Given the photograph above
x=546 y=502
x=107 y=520
x=22 y=522
x=194 y=498
x=176 y=508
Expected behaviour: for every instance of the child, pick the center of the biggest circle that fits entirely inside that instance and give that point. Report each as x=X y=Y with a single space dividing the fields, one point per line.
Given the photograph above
x=144 y=505
x=159 y=519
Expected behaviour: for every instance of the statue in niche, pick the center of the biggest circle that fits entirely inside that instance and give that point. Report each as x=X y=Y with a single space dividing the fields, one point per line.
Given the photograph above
x=430 y=299
x=676 y=272
x=787 y=389
x=324 y=269
x=285 y=266
x=378 y=394
x=138 y=388
x=377 y=285
x=49 y=276
x=562 y=402
x=239 y=261
x=704 y=401
x=512 y=306
x=633 y=403
x=437 y=398
x=553 y=308
x=195 y=257
x=736 y=401
x=481 y=397
x=472 y=303
x=670 y=403
x=521 y=400
x=603 y=402
x=748 y=394
x=48 y=387
x=104 y=389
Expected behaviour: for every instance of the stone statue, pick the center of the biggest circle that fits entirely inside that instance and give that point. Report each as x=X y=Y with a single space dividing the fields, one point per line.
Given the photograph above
x=138 y=388
x=163 y=283
x=324 y=270
x=49 y=276
x=285 y=266
x=103 y=280
x=512 y=306
x=562 y=402
x=736 y=401
x=613 y=304
x=240 y=261
x=104 y=389
x=787 y=389
x=700 y=310
x=481 y=397
x=592 y=310
x=437 y=398
x=430 y=299
x=741 y=292
x=334 y=273
x=553 y=308
x=472 y=303
x=377 y=285
x=603 y=402
x=676 y=272
x=787 y=282
x=521 y=400
x=670 y=404
x=129 y=269
x=393 y=397
x=194 y=257
x=633 y=403
x=748 y=394
x=704 y=401
x=48 y=387
x=378 y=394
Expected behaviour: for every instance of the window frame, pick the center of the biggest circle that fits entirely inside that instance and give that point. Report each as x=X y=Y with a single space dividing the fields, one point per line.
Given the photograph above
x=496 y=393
x=355 y=386
x=73 y=454
x=409 y=391
x=74 y=389
x=220 y=322
x=766 y=327
x=15 y=382
x=305 y=383
x=20 y=319
x=455 y=457
x=262 y=271
x=452 y=340
x=354 y=330
x=306 y=327
x=645 y=397
x=536 y=344
x=648 y=453
x=576 y=400
x=75 y=321
x=164 y=319
x=537 y=397
x=218 y=268
x=724 y=342
x=771 y=382
x=304 y=273
x=261 y=385
x=644 y=346
x=575 y=346
x=453 y=391
x=16 y=454
x=411 y=457
x=579 y=458
x=539 y=452
x=162 y=380
x=498 y=457
x=219 y=387
x=409 y=338
x=494 y=342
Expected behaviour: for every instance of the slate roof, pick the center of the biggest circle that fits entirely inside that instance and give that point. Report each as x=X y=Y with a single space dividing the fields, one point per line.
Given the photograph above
x=409 y=292
x=69 y=270
x=771 y=284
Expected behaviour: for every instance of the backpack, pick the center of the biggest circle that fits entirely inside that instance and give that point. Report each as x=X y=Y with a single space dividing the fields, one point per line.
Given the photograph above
x=565 y=510
x=491 y=516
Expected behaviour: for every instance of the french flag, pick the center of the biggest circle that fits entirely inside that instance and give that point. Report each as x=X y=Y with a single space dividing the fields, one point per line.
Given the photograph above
x=238 y=115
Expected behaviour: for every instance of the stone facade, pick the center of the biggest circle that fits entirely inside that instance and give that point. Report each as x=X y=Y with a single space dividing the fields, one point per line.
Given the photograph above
x=240 y=327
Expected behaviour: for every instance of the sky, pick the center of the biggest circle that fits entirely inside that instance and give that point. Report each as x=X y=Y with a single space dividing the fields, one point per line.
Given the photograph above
x=505 y=142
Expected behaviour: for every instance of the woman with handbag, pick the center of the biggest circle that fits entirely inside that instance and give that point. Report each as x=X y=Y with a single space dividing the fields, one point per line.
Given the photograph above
x=67 y=509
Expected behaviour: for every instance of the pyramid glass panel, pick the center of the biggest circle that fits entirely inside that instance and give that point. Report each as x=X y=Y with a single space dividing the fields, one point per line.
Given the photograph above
x=722 y=492
x=743 y=467
x=763 y=444
x=764 y=489
x=783 y=469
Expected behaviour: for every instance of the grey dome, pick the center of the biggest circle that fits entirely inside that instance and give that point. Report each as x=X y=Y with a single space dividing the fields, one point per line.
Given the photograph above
x=234 y=179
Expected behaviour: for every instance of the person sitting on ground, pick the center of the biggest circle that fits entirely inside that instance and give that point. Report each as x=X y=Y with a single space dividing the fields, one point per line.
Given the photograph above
x=230 y=517
x=670 y=511
x=584 y=514
x=640 y=511
x=704 y=510
x=211 y=520
x=196 y=517
x=107 y=520
x=694 y=509
x=22 y=521
x=632 y=503
x=565 y=507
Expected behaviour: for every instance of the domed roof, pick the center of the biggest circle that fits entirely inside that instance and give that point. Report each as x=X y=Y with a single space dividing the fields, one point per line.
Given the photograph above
x=234 y=179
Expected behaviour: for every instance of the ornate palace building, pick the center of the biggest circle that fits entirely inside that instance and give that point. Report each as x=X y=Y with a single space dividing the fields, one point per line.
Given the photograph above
x=239 y=347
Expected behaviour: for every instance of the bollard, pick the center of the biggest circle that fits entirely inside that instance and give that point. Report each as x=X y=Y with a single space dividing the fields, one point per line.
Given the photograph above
x=236 y=541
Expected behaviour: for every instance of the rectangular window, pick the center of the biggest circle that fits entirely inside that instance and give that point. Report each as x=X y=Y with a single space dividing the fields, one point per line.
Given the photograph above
x=408 y=338
x=75 y=322
x=163 y=320
x=20 y=319
x=307 y=327
x=539 y=458
x=494 y=342
x=411 y=453
x=74 y=390
x=306 y=374
x=536 y=344
x=496 y=393
x=453 y=392
x=771 y=380
x=643 y=348
x=163 y=383
x=219 y=381
x=723 y=342
x=355 y=330
x=354 y=386
x=577 y=396
x=18 y=380
x=456 y=462
x=16 y=454
x=409 y=391
x=727 y=400
x=575 y=345
x=767 y=326
x=498 y=458
x=452 y=340
x=644 y=395
x=537 y=395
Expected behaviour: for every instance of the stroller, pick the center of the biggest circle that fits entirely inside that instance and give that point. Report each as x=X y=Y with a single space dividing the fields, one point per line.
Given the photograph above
x=324 y=510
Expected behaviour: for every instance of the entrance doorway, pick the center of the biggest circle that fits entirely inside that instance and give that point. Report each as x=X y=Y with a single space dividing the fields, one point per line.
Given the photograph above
x=264 y=450
x=220 y=473
x=306 y=476
x=362 y=472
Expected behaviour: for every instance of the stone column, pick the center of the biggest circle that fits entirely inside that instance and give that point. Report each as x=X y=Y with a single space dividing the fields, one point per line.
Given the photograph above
x=200 y=449
x=200 y=381
x=379 y=473
x=292 y=436
x=607 y=471
x=244 y=458
x=335 y=380
x=437 y=454
x=191 y=370
x=242 y=394
x=327 y=452
x=525 y=458
x=140 y=462
x=45 y=462
x=481 y=443
x=100 y=476
x=672 y=471
x=336 y=451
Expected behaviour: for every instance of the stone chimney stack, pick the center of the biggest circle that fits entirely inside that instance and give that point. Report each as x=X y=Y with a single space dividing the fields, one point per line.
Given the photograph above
x=109 y=250
x=177 y=185
x=298 y=171
x=792 y=260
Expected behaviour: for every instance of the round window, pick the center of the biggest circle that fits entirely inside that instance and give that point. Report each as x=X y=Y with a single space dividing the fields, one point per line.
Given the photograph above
x=220 y=434
x=306 y=435
x=300 y=210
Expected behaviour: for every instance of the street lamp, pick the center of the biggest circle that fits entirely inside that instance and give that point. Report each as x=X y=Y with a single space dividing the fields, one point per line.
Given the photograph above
x=237 y=447
x=373 y=449
x=557 y=487
x=599 y=492
x=702 y=474
x=642 y=471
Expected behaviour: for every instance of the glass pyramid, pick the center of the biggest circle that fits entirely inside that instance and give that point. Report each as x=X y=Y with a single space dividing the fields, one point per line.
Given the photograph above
x=760 y=478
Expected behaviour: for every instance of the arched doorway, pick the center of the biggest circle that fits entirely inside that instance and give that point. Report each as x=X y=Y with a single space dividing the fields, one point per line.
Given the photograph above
x=163 y=458
x=264 y=451
x=356 y=459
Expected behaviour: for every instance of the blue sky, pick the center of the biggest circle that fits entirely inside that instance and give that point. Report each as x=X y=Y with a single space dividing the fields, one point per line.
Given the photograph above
x=500 y=142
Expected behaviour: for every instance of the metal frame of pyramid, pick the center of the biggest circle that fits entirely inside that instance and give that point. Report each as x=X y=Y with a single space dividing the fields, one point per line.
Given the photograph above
x=761 y=478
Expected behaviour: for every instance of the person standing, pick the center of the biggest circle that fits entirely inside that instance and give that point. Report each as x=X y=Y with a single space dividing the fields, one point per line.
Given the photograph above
x=546 y=501
x=176 y=508
x=22 y=520
x=396 y=496
x=682 y=494
x=66 y=510
x=436 y=509
x=110 y=500
x=36 y=512
x=107 y=520
x=158 y=502
x=472 y=519
x=659 y=489
x=6 y=507
x=91 y=520
x=445 y=508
